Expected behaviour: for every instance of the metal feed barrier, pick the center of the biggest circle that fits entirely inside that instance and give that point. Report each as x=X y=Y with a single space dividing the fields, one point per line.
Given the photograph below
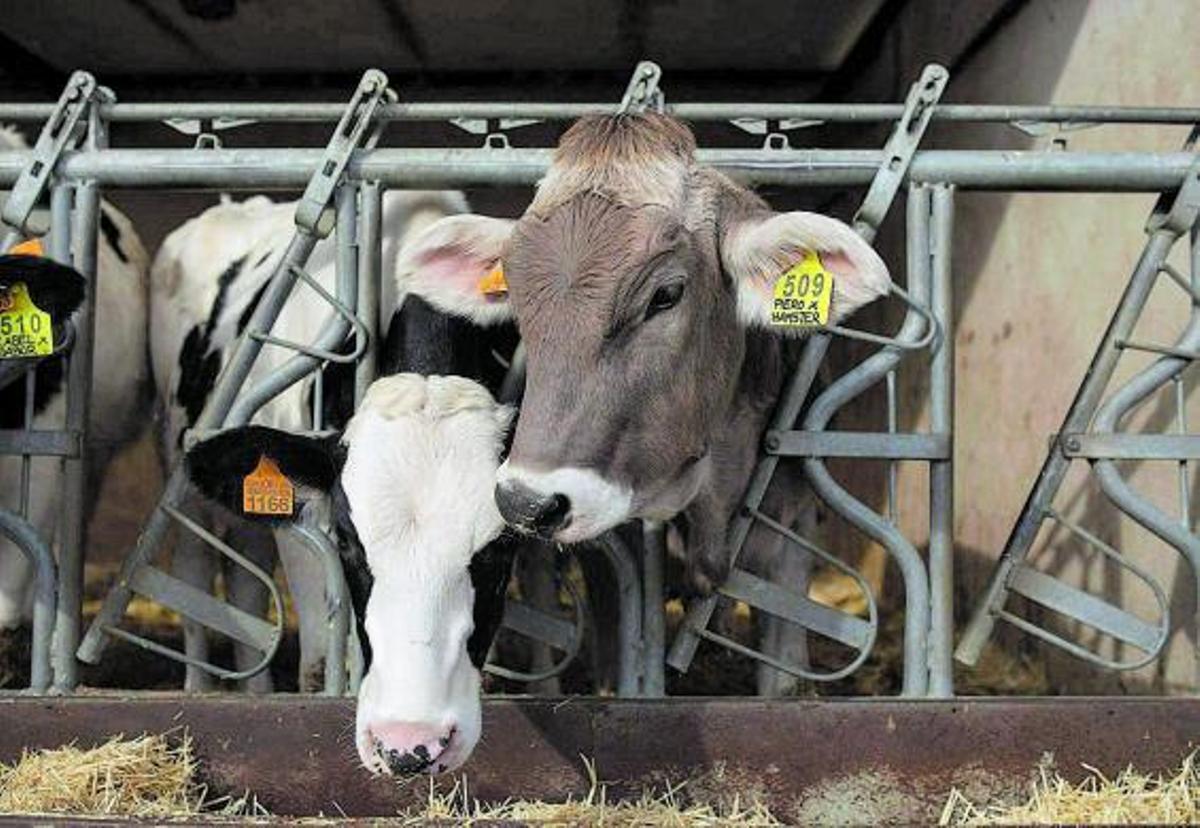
x=343 y=185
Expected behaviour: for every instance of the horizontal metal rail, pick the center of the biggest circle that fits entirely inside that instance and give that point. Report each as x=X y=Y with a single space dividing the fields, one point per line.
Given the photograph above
x=445 y=111
x=259 y=169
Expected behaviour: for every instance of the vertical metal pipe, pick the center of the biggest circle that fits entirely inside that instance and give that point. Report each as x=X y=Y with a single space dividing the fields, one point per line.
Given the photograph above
x=629 y=613
x=370 y=266
x=27 y=459
x=893 y=509
x=941 y=472
x=79 y=394
x=654 y=680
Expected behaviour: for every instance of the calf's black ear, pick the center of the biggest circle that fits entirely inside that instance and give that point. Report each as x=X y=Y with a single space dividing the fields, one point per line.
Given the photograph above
x=262 y=473
x=54 y=288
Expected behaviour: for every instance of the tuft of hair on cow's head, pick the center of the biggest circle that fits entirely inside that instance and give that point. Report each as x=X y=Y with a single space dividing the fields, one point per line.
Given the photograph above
x=642 y=283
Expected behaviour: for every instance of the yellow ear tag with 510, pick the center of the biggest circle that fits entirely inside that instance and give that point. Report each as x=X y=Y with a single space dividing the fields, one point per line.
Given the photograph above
x=802 y=294
x=494 y=284
x=25 y=331
x=267 y=491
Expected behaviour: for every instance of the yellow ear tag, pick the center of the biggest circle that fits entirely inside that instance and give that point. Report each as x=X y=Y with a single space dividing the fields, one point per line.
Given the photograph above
x=493 y=284
x=802 y=294
x=25 y=331
x=266 y=491
x=29 y=247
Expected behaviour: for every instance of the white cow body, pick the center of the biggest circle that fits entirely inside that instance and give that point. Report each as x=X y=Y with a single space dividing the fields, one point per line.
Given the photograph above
x=119 y=404
x=205 y=280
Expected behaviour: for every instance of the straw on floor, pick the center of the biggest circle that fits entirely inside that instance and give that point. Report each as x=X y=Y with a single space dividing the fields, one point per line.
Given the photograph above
x=670 y=807
x=147 y=776
x=1130 y=798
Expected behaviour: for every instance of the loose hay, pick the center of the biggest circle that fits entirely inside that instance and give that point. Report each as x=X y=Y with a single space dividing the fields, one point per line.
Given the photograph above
x=144 y=777
x=1132 y=798
x=671 y=807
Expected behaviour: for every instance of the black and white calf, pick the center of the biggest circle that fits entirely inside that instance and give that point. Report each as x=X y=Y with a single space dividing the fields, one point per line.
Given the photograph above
x=205 y=282
x=120 y=404
x=411 y=481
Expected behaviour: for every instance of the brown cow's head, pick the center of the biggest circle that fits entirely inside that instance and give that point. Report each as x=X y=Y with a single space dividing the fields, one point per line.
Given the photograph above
x=633 y=277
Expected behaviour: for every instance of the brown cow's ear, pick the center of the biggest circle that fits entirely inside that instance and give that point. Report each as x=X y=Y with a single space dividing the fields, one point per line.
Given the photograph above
x=760 y=248
x=454 y=264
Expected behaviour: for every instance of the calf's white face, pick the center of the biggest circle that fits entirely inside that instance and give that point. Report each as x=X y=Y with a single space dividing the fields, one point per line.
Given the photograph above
x=418 y=528
x=419 y=489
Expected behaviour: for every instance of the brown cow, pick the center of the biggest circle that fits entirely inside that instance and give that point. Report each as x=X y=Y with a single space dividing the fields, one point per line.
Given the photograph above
x=642 y=283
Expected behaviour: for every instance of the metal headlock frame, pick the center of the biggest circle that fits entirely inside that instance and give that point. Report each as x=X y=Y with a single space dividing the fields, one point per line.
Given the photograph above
x=782 y=440
x=78 y=174
x=1090 y=431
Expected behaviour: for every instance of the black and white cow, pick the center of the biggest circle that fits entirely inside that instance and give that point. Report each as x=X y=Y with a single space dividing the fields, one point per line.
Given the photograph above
x=411 y=481
x=120 y=404
x=205 y=282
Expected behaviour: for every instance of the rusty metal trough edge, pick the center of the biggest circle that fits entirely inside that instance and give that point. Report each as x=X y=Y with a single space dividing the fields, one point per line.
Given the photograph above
x=811 y=760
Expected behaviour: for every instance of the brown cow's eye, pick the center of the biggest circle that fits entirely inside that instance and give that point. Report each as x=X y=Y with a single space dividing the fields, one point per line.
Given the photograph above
x=665 y=298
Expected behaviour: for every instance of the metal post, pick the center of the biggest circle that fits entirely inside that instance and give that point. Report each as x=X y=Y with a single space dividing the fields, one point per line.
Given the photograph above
x=941 y=472
x=370 y=266
x=654 y=632
x=75 y=469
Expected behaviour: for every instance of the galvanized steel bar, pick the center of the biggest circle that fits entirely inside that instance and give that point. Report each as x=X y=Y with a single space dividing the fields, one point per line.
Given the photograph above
x=718 y=111
x=370 y=267
x=941 y=471
x=337 y=603
x=275 y=169
x=654 y=554
x=860 y=444
x=75 y=469
x=629 y=612
x=45 y=595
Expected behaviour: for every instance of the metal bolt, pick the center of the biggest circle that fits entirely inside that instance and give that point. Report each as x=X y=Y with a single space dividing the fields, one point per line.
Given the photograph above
x=1073 y=444
x=772 y=442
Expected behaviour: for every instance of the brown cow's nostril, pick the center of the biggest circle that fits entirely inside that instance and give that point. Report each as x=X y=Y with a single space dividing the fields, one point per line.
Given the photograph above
x=531 y=511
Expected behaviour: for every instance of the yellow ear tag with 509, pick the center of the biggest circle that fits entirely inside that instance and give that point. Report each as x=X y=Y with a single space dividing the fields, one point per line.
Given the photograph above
x=267 y=491
x=494 y=284
x=803 y=294
x=25 y=331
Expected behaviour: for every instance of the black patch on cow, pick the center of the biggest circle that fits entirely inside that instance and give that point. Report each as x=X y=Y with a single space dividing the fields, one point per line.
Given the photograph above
x=359 y=580
x=112 y=234
x=491 y=567
x=199 y=364
x=263 y=258
x=218 y=465
x=248 y=311
x=423 y=340
x=50 y=375
x=337 y=394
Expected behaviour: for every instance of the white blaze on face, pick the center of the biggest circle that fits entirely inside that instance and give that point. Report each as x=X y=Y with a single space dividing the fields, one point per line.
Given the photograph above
x=418 y=477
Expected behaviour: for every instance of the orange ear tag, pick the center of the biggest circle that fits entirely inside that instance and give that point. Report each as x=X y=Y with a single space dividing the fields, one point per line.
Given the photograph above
x=29 y=247
x=266 y=491
x=494 y=284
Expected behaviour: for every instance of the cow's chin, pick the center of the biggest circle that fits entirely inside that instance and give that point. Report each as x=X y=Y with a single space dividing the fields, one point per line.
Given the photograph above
x=665 y=500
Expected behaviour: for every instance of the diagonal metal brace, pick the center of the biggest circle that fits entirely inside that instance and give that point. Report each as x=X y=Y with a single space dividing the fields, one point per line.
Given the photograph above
x=314 y=212
x=61 y=131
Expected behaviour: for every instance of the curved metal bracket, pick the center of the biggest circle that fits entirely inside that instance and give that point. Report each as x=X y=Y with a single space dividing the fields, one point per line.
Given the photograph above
x=341 y=309
x=572 y=649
